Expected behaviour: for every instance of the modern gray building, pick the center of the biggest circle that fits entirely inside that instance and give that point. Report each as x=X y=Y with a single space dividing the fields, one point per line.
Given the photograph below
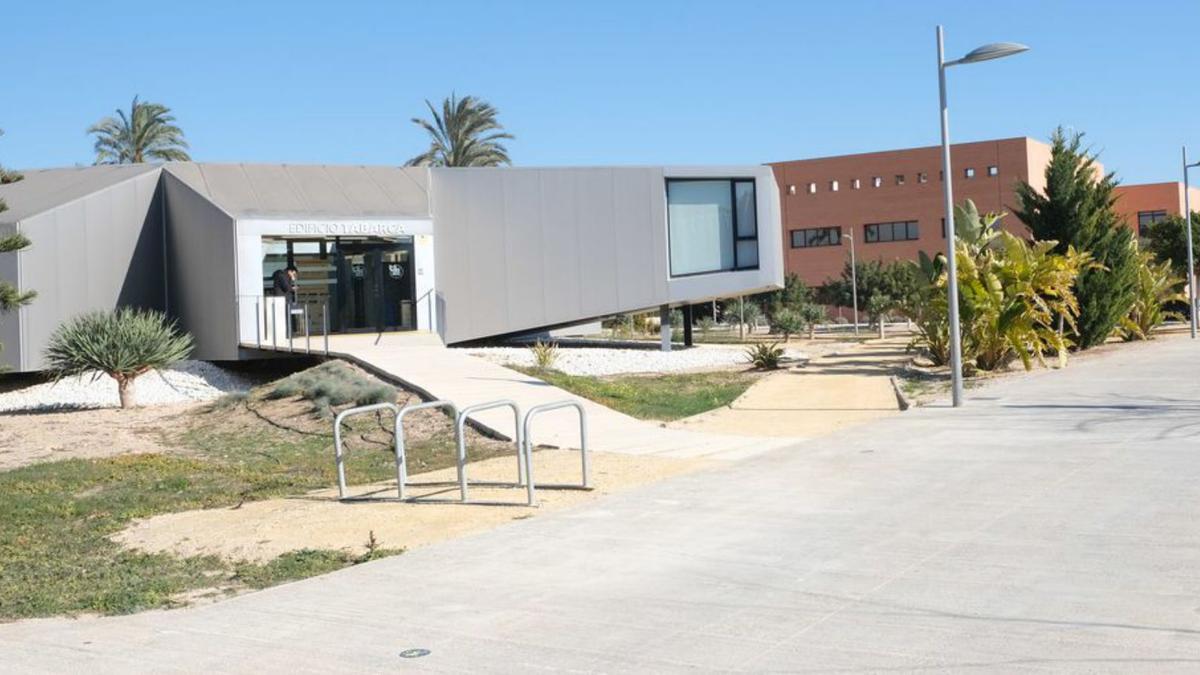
x=466 y=253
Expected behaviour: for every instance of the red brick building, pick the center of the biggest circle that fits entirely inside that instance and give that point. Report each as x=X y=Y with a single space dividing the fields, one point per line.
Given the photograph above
x=891 y=202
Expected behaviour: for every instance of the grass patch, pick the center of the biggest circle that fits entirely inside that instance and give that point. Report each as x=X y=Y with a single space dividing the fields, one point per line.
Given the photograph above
x=56 y=518
x=654 y=397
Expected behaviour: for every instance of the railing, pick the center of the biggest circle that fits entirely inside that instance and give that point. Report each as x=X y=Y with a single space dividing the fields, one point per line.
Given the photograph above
x=274 y=318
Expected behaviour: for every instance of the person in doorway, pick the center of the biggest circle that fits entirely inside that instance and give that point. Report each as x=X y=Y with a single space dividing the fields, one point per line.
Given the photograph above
x=283 y=283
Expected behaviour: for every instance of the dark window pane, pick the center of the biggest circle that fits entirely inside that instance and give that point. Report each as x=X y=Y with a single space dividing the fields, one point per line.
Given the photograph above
x=912 y=230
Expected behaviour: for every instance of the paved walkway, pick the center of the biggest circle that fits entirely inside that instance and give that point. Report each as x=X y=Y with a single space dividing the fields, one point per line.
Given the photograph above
x=420 y=361
x=850 y=386
x=1048 y=526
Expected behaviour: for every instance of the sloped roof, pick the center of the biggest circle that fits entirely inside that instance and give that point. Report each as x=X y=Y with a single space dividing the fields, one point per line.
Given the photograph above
x=318 y=190
x=45 y=189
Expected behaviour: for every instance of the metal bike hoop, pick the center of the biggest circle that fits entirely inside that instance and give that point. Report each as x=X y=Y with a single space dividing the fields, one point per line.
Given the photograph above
x=338 y=454
x=398 y=430
x=460 y=433
x=526 y=433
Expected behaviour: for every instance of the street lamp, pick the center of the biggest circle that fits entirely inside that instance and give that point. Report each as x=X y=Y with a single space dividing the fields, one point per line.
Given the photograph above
x=985 y=53
x=853 y=279
x=1191 y=265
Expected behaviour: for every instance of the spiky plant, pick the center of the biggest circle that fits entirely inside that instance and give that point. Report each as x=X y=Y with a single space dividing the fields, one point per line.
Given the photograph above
x=465 y=133
x=1157 y=288
x=147 y=133
x=545 y=354
x=765 y=356
x=124 y=344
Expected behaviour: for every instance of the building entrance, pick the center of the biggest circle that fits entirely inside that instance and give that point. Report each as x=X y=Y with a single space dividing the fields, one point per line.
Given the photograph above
x=365 y=284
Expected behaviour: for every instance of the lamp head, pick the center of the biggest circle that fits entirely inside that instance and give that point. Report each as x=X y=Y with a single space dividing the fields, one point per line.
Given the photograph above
x=995 y=50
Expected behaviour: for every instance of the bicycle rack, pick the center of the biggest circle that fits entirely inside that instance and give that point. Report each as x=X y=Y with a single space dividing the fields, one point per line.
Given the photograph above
x=398 y=430
x=528 y=438
x=338 y=455
x=460 y=423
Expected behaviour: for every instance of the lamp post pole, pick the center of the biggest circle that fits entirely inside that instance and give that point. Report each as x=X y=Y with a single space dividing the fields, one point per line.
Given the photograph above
x=956 y=392
x=984 y=53
x=853 y=281
x=1191 y=263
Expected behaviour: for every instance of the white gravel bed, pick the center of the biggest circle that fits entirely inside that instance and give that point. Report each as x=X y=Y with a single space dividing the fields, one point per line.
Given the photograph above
x=613 y=361
x=186 y=381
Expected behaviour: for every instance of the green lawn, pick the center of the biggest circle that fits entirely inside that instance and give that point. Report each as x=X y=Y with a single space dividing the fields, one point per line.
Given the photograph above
x=654 y=397
x=56 y=518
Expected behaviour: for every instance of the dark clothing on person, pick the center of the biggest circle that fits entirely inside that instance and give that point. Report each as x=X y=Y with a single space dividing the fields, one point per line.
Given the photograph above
x=283 y=286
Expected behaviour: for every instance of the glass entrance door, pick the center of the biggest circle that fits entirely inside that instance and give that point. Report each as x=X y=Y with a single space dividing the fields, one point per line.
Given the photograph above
x=376 y=286
x=367 y=285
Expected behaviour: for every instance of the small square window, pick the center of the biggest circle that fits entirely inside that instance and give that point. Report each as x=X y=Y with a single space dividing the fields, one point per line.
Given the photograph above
x=993 y=170
x=856 y=184
x=922 y=177
x=791 y=189
x=812 y=188
x=969 y=173
x=833 y=186
x=877 y=181
x=899 y=179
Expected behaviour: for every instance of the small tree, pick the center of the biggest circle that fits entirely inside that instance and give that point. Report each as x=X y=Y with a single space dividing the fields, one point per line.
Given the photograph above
x=1157 y=287
x=787 y=322
x=124 y=344
x=12 y=297
x=1167 y=240
x=1077 y=210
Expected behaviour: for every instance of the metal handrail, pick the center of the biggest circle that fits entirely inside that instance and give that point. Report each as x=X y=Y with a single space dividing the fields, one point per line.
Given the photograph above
x=460 y=432
x=528 y=438
x=398 y=431
x=338 y=455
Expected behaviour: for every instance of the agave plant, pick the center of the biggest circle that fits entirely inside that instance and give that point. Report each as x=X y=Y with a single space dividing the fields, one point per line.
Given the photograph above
x=765 y=356
x=1157 y=287
x=124 y=344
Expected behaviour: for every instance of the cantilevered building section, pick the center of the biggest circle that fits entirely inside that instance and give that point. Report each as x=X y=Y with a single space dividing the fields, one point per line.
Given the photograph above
x=466 y=253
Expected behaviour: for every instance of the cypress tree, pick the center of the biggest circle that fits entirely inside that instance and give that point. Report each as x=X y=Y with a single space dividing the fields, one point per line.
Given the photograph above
x=10 y=296
x=1076 y=209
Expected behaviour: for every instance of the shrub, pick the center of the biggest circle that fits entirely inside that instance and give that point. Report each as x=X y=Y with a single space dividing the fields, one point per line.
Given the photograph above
x=765 y=356
x=124 y=344
x=787 y=322
x=545 y=355
x=706 y=325
x=1157 y=286
x=331 y=384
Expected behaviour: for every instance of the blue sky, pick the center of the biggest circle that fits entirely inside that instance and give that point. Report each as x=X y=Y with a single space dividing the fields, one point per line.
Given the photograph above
x=609 y=82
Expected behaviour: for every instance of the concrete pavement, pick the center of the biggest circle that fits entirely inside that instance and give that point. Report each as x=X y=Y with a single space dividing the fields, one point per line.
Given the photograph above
x=1049 y=526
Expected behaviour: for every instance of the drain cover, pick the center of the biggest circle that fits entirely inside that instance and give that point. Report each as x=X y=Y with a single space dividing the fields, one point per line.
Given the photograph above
x=414 y=653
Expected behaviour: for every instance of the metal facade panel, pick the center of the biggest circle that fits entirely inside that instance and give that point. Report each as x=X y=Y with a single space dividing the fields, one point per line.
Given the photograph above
x=45 y=189
x=202 y=270
x=525 y=275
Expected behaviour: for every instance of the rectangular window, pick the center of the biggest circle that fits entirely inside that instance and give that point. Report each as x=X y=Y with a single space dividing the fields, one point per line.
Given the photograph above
x=899 y=179
x=922 y=177
x=993 y=170
x=712 y=225
x=855 y=184
x=816 y=236
x=1148 y=218
x=969 y=173
x=898 y=231
x=877 y=181
x=833 y=186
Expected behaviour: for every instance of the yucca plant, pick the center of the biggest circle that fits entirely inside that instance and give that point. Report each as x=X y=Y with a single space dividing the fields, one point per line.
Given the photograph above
x=1156 y=288
x=545 y=355
x=765 y=356
x=124 y=344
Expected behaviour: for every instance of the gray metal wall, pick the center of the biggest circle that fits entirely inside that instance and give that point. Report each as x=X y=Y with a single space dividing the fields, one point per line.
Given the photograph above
x=98 y=252
x=201 y=274
x=519 y=249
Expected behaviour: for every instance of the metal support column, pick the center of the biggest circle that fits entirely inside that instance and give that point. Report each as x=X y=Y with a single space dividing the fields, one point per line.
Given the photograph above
x=664 y=327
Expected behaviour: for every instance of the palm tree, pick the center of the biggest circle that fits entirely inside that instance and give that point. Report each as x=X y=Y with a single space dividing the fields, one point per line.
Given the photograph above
x=466 y=133
x=147 y=133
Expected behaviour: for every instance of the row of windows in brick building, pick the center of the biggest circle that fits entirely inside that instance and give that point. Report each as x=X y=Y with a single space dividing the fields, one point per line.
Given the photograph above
x=907 y=230
x=900 y=179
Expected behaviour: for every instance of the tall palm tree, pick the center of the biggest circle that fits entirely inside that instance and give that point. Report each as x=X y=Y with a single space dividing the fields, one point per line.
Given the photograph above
x=147 y=133
x=466 y=133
